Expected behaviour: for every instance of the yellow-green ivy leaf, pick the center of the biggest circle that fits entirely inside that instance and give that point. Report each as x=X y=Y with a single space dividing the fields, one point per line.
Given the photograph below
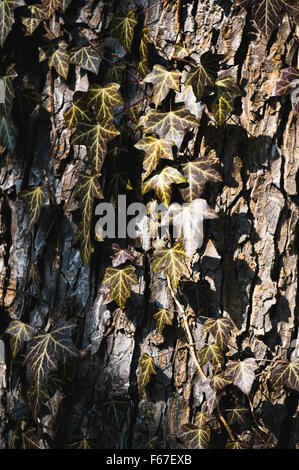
x=147 y=366
x=195 y=437
x=34 y=197
x=78 y=111
x=36 y=13
x=86 y=58
x=104 y=99
x=226 y=91
x=242 y=373
x=7 y=17
x=163 y=81
x=286 y=373
x=162 y=182
x=51 y=6
x=119 y=281
x=221 y=329
x=197 y=173
x=7 y=90
x=59 y=60
x=211 y=353
x=122 y=28
x=163 y=317
x=87 y=190
x=170 y=260
x=154 y=149
x=205 y=74
x=20 y=332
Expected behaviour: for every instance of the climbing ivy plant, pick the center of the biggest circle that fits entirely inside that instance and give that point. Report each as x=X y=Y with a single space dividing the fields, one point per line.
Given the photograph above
x=115 y=131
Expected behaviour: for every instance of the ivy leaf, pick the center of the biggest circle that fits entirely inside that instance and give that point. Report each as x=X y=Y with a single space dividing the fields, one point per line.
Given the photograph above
x=198 y=173
x=86 y=246
x=288 y=84
x=242 y=373
x=170 y=260
x=201 y=419
x=95 y=137
x=78 y=111
x=180 y=51
x=87 y=190
x=163 y=81
x=34 y=197
x=171 y=125
x=36 y=13
x=205 y=74
x=120 y=256
x=59 y=60
x=212 y=398
x=36 y=397
x=36 y=278
x=8 y=134
x=154 y=149
x=220 y=329
x=7 y=90
x=46 y=350
x=86 y=58
x=147 y=366
x=119 y=282
x=163 y=317
x=266 y=13
x=187 y=220
x=142 y=66
x=219 y=381
x=51 y=6
x=115 y=72
x=223 y=105
x=162 y=182
x=123 y=29
x=195 y=437
x=104 y=99
x=20 y=332
x=29 y=439
x=211 y=353
x=83 y=444
x=236 y=415
x=188 y=97
x=7 y=17
x=236 y=445
x=286 y=373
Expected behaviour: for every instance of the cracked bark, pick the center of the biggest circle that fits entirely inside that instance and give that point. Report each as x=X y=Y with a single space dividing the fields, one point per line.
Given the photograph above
x=249 y=260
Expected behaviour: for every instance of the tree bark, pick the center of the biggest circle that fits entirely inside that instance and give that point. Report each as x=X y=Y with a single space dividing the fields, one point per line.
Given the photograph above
x=247 y=267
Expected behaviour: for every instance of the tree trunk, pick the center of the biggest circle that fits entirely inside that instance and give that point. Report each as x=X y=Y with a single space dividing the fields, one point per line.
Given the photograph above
x=247 y=267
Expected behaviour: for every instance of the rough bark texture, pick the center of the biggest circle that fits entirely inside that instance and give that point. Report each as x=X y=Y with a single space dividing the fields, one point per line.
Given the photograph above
x=249 y=258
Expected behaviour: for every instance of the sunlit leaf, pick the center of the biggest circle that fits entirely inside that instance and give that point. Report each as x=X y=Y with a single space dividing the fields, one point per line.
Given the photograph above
x=104 y=99
x=171 y=125
x=60 y=60
x=95 y=137
x=86 y=58
x=201 y=419
x=36 y=13
x=211 y=353
x=221 y=329
x=163 y=80
x=120 y=256
x=219 y=381
x=20 y=332
x=8 y=134
x=286 y=373
x=142 y=66
x=119 y=282
x=223 y=105
x=242 y=373
x=154 y=149
x=162 y=182
x=170 y=260
x=197 y=173
x=34 y=197
x=87 y=190
x=195 y=437
x=78 y=111
x=236 y=445
x=163 y=317
x=51 y=6
x=187 y=220
x=180 y=51
x=122 y=28
x=147 y=366
x=86 y=246
x=188 y=97
x=205 y=74
x=46 y=350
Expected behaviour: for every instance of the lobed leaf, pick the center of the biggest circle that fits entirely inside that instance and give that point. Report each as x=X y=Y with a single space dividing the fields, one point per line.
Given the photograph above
x=170 y=260
x=119 y=281
x=147 y=366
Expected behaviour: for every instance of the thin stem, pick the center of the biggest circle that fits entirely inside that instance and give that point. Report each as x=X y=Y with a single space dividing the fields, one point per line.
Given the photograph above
x=150 y=7
x=224 y=422
x=188 y=331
